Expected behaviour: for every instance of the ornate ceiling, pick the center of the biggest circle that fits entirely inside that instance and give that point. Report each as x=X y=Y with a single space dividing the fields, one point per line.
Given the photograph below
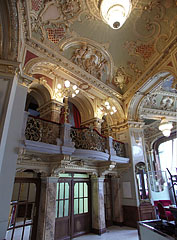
x=68 y=38
x=119 y=58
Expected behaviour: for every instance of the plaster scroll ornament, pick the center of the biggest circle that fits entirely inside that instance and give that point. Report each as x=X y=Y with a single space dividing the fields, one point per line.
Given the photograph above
x=91 y=60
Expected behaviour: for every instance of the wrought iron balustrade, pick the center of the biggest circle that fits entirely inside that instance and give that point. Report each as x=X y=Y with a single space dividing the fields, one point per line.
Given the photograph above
x=42 y=130
x=90 y=139
x=119 y=147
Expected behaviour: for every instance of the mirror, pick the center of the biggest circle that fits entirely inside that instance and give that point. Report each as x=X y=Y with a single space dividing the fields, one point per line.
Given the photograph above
x=142 y=181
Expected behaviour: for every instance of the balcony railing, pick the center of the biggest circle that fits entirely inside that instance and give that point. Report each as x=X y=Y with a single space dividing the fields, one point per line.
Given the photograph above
x=42 y=130
x=119 y=147
x=49 y=132
x=87 y=138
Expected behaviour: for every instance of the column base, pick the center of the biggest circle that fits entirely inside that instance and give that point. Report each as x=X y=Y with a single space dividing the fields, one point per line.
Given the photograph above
x=99 y=231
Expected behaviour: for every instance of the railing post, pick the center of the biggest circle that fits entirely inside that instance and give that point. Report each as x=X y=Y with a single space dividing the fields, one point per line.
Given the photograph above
x=67 y=146
x=110 y=146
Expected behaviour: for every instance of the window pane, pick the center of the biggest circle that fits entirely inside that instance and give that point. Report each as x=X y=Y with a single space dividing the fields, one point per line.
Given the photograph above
x=56 y=209
x=85 y=190
x=57 y=191
x=81 y=208
x=65 y=175
x=66 y=208
x=60 y=208
x=15 y=192
x=81 y=175
x=27 y=233
x=18 y=233
x=75 y=206
x=23 y=191
x=32 y=192
x=66 y=190
x=81 y=192
x=61 y=190
x=85 y=205
x=76 y=190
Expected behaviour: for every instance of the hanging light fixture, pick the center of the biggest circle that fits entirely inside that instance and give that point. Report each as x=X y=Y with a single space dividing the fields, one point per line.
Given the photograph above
x=115 y=12
x=165 y=127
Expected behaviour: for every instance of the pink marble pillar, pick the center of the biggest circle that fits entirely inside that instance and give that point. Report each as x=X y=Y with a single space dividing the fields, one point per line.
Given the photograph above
x=47 y=209
x=98 y=211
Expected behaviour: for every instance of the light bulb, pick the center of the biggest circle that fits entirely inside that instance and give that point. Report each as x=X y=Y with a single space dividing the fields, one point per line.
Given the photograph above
x=112 y=113
x=73 y=94
x=106 y=103
x=108 y=107
x=74 y=87
x=59 y=86
x=77 y=91
x=67 y=83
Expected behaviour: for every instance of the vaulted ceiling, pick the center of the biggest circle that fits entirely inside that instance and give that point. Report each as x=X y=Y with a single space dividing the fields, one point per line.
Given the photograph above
x=71 y=35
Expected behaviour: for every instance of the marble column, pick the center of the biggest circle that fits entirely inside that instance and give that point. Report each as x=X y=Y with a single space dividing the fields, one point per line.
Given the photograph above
x=117 y=201
x=98 y=211
x=47 y=209
x=11 y=115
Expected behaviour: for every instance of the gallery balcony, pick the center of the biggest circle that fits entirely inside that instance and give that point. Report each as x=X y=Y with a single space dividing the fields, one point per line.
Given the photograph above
x=47 y=137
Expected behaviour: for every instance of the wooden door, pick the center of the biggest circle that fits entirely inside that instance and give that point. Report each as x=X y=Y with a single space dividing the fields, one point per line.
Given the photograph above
x=72 y=207
x=108 y=202
x=24 y=208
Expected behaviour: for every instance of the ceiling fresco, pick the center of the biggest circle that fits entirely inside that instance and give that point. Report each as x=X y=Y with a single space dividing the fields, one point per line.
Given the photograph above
x=118 y=58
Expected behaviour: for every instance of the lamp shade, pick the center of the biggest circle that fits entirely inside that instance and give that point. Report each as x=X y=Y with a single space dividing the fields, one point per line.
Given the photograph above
x=165 y=127
x=115 y=12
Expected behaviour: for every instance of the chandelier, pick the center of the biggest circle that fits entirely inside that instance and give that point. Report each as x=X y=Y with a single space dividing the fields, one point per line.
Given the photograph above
x=165 y=127
x=106 y=109
x=66 y=90
x=115 y=12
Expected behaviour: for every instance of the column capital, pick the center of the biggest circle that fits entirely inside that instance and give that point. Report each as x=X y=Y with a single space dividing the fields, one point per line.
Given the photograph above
x=97 y=179
x=49 y=179
x=8 y=68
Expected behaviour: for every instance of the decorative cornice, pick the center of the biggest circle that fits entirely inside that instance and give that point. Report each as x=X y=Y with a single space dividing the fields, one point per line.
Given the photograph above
x=8 y=68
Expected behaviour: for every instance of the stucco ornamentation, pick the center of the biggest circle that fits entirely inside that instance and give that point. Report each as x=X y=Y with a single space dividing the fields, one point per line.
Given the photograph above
x=91 y=60
x=167 y=103
x=121 y=78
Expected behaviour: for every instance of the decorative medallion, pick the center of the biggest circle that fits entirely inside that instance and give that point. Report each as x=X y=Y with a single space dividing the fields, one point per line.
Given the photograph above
x=121 y=78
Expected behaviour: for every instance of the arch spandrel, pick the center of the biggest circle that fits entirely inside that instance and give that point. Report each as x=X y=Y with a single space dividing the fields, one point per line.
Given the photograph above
x=156 y=99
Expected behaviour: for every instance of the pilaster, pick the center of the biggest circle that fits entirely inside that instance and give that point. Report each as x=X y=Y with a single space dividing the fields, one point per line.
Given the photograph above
x=98 y=211
x=117 y=201
x=51 y=111
x=47 y=209
x=12 y=116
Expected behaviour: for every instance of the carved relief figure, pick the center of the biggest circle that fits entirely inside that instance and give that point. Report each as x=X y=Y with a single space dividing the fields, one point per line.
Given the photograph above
x=91 y=60
x=167 y=103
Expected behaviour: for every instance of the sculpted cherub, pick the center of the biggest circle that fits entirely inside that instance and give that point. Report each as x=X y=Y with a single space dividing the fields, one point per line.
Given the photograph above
x=77 y=57
x=101 y=68
x=90 y=65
